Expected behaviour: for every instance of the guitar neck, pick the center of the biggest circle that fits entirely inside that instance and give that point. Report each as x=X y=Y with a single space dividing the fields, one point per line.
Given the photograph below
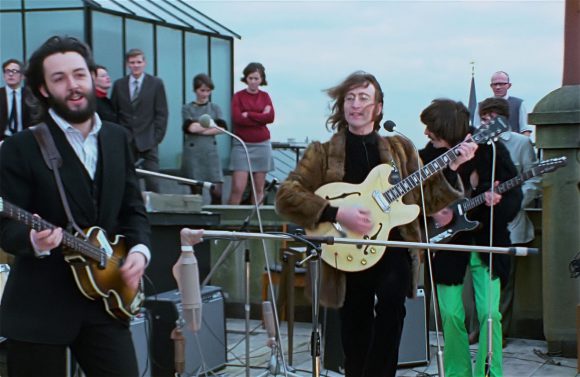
x=427 y=171
x=38 y=224
x=501 y=188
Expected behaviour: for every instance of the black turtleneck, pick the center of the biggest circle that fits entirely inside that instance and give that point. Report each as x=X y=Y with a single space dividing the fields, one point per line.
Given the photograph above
x=361 y=156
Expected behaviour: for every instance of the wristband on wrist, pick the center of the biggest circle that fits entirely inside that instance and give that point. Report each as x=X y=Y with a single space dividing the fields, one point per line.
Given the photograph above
x=186 y=248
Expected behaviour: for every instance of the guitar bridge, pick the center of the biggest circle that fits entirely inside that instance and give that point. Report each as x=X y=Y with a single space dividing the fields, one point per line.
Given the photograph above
x=383 y=204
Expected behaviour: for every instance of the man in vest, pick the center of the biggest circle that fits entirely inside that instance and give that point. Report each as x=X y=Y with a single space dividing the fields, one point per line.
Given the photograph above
x=518 y=119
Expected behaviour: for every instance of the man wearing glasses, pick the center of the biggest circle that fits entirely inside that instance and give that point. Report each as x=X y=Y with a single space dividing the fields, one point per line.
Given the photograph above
x=518 y=119
x=14 y=112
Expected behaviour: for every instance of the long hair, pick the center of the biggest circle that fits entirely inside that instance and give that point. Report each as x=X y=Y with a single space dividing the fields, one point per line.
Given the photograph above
x=336 y=120
x=447 y=119
x=35 y=71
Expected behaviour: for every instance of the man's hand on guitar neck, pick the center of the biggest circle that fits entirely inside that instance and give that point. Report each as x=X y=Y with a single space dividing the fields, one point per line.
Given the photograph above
x=466 y=152
x=44 y=241
x=355 y=219
x=133 y=269
x=492 y=198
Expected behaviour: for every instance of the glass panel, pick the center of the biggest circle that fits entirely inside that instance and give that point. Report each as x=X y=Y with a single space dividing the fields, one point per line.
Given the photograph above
x=159 y=9
x=184 y=12
x=138 y=10
x=221 y=74
x=140 y=35
x=108 y=43
x=196 y=61
x=107 y=4
x=10 y=38
x=36 y=4
x=38 y=30
x=169 y=69
x=10 y=4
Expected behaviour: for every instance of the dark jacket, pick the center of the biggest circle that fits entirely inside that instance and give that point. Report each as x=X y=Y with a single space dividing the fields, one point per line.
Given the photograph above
x=146 y=117
x=25 y=109
x=41 y=302
x=449 y=266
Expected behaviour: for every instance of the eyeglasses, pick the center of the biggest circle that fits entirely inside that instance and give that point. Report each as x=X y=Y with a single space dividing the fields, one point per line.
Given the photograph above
x=498 y=83
x=11 y=72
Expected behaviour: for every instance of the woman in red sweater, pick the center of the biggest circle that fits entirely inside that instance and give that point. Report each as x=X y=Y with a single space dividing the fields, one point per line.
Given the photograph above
x=252 y=111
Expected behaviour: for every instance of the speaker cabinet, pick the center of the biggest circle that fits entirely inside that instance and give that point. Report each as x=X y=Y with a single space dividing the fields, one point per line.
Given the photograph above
x=414 y=347
x=140 y=331
x=204 y=351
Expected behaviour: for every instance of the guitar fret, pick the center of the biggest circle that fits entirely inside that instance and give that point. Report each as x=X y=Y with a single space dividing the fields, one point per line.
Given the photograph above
x=39 y=224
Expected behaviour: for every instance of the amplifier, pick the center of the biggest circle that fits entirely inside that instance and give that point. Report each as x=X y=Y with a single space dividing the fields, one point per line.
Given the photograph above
x=140 y=332
x=205 y=350
x=414 y=347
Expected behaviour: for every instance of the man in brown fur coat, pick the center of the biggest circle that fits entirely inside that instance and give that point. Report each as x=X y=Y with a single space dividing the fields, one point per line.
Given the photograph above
x=370 y=329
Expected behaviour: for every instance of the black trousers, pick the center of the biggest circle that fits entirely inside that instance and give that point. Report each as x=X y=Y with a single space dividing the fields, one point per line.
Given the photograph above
x=371 y=332
x=151 y=163
x=100 y=350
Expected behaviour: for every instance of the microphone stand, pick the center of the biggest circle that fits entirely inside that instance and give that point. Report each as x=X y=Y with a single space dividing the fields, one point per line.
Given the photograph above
x=191 y=182
x=207 y=122
x=315 y=252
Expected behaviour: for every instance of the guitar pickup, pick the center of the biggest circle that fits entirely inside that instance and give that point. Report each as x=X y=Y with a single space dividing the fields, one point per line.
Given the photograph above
x=440 y=237
x=383 y=204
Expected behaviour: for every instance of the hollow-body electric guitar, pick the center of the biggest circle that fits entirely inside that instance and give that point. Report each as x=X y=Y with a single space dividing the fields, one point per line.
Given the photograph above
x=95 y=263
x=456 y=219
x=385 y=204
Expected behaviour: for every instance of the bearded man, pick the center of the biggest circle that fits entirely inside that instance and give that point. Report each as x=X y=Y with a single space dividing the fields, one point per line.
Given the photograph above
x=43 y=312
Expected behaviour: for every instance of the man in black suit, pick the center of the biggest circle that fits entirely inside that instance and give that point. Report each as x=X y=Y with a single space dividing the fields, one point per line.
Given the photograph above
x=14 y=111
x=43 y=312
x=141 y=106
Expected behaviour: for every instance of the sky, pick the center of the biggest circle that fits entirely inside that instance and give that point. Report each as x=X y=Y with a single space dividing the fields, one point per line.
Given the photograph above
x=418 y=50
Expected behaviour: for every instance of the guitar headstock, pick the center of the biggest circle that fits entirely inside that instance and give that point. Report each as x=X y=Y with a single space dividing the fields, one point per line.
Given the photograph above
x=551 y=164
x=490 y=130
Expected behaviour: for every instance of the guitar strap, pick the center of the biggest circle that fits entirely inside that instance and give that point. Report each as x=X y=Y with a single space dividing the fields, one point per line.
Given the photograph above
x=53 y=160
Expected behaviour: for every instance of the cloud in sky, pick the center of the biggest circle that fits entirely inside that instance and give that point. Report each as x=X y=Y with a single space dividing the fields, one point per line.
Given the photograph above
x=418 y=50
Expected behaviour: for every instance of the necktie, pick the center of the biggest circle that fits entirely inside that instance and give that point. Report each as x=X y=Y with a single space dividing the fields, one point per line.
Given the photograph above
x=13 y=119
x=135 y=90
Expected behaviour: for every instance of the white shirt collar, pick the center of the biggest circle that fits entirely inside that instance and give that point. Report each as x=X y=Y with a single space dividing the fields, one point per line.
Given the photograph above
x=67 y=127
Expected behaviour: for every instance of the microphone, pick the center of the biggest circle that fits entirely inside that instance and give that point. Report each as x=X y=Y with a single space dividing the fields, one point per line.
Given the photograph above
x=206 y=121
x=186 y=274
x=268 y=316
x=389 y=125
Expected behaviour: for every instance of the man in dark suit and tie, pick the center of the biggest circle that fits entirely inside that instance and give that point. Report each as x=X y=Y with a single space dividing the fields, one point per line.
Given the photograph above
x=14 y=111
x=43 y=312
x=141 y=106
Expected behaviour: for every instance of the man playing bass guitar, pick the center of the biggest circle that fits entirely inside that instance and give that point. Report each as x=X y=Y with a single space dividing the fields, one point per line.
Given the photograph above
x=370 y=332
x=43 y=311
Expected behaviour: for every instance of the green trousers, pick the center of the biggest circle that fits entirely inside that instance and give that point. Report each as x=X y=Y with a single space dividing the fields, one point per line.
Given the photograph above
x=456 y=353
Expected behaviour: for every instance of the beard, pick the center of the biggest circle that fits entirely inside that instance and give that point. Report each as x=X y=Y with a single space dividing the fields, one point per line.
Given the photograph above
x=74 y=116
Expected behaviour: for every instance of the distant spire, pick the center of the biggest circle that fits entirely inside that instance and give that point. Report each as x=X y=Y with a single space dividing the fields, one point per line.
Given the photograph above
x=472 y=96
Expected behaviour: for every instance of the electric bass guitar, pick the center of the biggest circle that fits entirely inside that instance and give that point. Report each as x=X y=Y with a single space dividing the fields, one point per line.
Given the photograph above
x=385 y=204
x=95 y=263
x=456 y=217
